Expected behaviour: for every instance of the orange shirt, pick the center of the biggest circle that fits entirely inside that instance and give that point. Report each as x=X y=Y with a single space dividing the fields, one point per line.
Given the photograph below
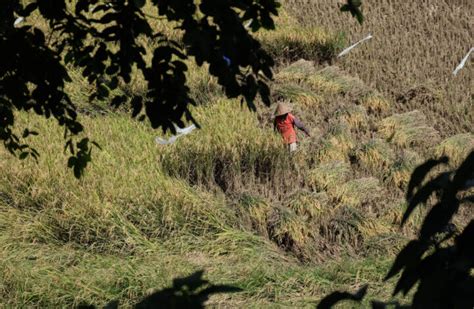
x=286 y=127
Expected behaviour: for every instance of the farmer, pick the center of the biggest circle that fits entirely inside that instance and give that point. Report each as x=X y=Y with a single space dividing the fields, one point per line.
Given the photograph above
x=285 y=123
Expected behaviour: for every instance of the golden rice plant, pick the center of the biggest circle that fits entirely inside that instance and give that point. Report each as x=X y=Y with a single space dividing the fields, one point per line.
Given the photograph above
x=356 y=192
x=336 y=145
x=327 y=176
x=255 y=210
x=115 y=207
x=375 y=156
x=409 y=47
x=456 y=148
x=309 y=205
x=373 y=227
x=293 y=232
x=297 y=95
x=400 y=172
x=376 y=104
x=293 y=41
x=204 y=87
x=321 y=83
x=230 y=151
x=297 y=72
x=347 y=83
x=354 y=115
x=408 y=129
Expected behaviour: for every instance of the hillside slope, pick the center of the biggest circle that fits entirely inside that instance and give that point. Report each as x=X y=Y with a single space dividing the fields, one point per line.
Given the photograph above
x=227 y=198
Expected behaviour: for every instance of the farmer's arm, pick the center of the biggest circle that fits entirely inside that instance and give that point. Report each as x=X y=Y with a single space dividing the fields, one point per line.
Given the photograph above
x=301 y=126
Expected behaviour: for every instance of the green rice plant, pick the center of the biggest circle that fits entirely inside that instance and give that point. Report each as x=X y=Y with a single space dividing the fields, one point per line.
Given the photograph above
x=456 y=147
x=120 y=208
x=375 y=156
x=408 y=129
x=327 y=176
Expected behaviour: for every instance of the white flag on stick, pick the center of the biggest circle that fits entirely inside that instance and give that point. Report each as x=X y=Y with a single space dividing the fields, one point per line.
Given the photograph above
x=345 y=51
x=463 y=61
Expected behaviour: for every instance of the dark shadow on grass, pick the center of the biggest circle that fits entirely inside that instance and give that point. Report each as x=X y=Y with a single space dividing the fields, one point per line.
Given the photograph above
x=188 y=292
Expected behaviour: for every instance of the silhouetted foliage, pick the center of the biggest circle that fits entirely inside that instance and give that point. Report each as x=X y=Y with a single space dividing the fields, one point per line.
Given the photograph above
x=188 y=292
x=441 y=260
x=102 y=39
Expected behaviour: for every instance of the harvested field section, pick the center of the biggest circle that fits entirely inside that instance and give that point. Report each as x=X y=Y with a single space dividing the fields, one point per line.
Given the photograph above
x=416 y=46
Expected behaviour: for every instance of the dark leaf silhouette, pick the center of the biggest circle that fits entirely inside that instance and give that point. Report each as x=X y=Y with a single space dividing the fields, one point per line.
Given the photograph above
x=188 y=292
x=422 y=195
x=354 y=7
x=420 y=173
x=407 y=256
x=440 y=262
x=335 y=297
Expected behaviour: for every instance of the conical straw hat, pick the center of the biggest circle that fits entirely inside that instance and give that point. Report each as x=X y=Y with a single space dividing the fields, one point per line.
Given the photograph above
x=282 y=109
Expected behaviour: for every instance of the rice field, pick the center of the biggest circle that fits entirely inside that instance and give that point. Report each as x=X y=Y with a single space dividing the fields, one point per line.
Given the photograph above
x=228 y=198
x=416 y=46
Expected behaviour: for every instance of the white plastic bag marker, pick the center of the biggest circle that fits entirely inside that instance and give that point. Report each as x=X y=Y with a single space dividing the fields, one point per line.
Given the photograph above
x=173 y=138
x=247 y=25
x=186 y=130
x=18 y=21
x=345 y=51
x=463 y=62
